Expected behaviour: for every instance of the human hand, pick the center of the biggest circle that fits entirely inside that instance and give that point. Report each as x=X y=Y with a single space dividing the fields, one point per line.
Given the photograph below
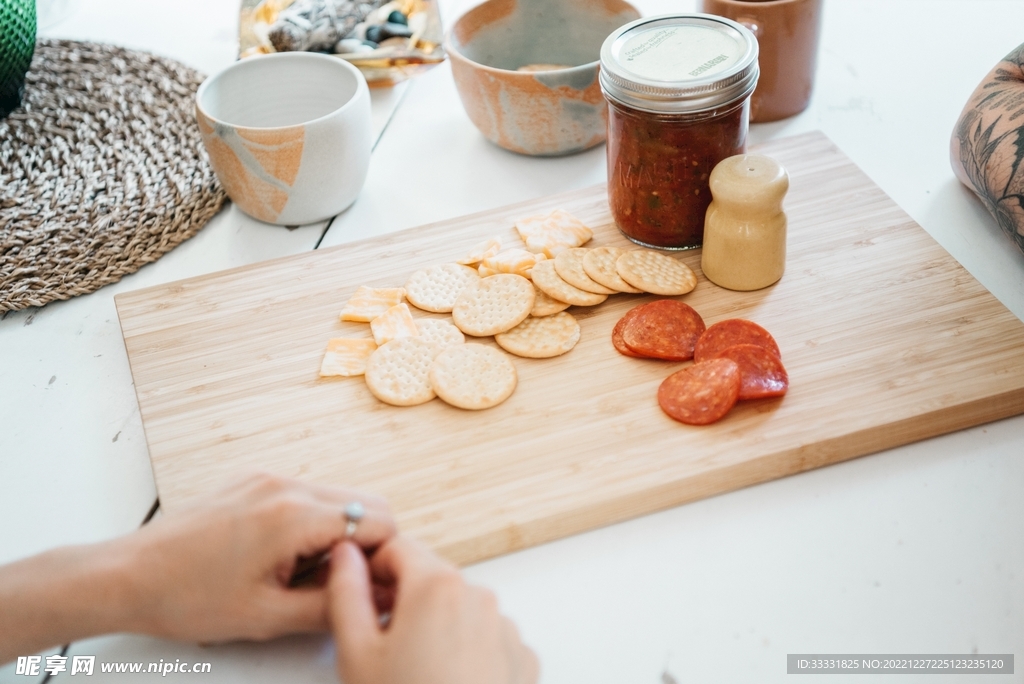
x=441 y=630
x=221 y=569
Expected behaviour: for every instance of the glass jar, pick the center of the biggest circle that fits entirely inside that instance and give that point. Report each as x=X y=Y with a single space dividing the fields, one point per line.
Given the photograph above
x=678 y=88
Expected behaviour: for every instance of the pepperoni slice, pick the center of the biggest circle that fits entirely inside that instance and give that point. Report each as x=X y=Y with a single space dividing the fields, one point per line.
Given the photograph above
x=664 y=329
x=727 y=333
x=701 y=393
x=620 y=346
x=761 y=372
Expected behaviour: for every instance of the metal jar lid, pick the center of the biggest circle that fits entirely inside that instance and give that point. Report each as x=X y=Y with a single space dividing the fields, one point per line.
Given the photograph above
x=679 y=63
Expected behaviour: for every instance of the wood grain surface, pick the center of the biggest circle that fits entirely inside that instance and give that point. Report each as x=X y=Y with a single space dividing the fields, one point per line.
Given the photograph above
x=887 y=340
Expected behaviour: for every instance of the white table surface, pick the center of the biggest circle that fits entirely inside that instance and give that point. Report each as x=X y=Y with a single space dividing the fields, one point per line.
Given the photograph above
x=918 y=549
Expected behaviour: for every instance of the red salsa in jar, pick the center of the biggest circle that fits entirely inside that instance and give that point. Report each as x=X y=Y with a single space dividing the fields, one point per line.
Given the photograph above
x=678 y=89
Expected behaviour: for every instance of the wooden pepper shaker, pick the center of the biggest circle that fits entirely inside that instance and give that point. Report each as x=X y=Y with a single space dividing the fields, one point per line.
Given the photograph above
x=745 y=227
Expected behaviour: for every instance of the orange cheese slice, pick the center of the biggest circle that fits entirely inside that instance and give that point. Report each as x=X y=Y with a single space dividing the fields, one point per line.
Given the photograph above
x=370 y=302
x=394 y=323
x=484 y=250
x=552 y=233
x=346 y=356
x=517 y=261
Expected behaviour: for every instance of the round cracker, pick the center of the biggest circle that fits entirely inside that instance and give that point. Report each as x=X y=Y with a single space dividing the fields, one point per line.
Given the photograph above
x=655 y=273
x=473 y=376
x=437 y=287
x=493 y=304
x=543 y=305
x=550 y=283
x=541 y=338
x=599 y=264
x=569 y=267
x=440 y=332
x=398 y=373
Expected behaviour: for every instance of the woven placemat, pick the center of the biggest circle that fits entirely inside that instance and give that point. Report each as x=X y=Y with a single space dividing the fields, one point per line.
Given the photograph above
x=102 y=170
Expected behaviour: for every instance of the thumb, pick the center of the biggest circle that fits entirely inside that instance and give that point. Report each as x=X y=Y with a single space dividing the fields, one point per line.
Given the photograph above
x=350 y=603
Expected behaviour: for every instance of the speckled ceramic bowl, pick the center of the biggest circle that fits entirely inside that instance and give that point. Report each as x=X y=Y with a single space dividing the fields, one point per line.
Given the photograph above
x=549 y=112
x=288 y=135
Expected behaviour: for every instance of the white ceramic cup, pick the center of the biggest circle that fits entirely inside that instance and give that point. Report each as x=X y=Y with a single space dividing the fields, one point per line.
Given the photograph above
x=288 y=134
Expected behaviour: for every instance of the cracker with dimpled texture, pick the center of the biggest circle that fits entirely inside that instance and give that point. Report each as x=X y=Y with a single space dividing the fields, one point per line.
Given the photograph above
x=549 y=282
x=493 y=304
x=440 y=332
x=541 y=338
x=473 y=376
x=544 y=305
x=436 y=288
x=398 y=373
x=655 y=273
x=599 y=264
x=569 y=267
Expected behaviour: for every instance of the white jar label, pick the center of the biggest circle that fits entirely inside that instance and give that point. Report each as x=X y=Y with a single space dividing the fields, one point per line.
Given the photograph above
x=679 y=53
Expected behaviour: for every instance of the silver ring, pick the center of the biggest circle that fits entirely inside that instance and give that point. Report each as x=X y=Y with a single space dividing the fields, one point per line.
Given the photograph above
x=354 y=512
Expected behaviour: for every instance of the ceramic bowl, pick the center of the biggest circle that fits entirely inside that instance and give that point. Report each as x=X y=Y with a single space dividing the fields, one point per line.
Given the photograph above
x=550 y=112
x=288 y=135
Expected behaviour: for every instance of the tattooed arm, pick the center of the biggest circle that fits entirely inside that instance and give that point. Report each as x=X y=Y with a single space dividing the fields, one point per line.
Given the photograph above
x=987 y=147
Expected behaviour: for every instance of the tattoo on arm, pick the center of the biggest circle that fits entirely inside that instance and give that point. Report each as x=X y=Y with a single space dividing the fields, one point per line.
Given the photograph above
x=991 y=137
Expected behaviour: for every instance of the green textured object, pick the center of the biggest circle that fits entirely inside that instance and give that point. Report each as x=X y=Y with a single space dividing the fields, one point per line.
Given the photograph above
x=17 y=43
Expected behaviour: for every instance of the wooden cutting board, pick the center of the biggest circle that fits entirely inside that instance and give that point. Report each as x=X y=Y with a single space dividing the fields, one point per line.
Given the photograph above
x=887 y=340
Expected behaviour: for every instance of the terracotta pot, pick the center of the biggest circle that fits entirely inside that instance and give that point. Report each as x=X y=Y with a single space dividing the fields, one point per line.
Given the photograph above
x=549 y=112
x=787 y=33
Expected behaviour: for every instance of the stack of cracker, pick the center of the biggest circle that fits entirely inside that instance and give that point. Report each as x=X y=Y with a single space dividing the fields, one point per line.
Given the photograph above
x=519 y=296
